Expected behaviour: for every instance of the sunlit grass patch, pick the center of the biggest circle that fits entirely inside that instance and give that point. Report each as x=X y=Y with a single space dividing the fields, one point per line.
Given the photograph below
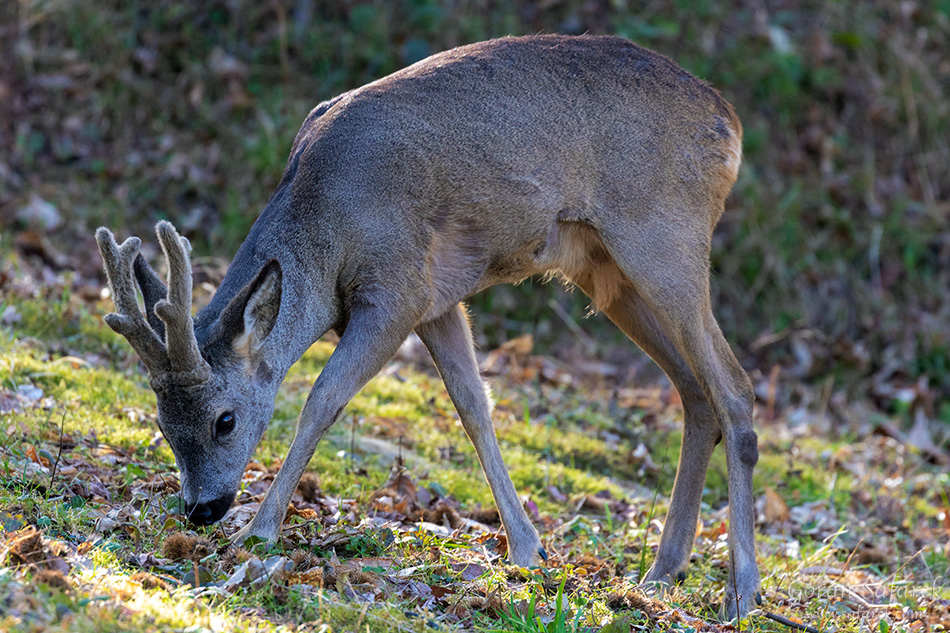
x=590 y=473
x=104 y=599
x=76 y=397
x=65 y=319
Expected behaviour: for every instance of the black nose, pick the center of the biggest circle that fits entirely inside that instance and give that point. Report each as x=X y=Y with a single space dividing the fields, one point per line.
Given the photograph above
x=210 y=512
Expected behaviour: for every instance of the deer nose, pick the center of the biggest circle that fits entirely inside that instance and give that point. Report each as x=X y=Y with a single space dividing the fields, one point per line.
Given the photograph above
x=210 y=512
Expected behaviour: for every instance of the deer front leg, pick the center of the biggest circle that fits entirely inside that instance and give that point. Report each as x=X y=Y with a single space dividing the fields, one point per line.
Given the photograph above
x=372 y=336
x=449 y=341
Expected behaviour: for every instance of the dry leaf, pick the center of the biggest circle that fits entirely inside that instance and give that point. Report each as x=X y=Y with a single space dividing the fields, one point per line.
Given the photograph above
x=776 y=510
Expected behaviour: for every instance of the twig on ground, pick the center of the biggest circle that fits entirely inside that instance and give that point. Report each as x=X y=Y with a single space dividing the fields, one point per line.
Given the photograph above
x=861 y=601
x=735 y=587
x=362 y=615
x=59 y=453
x=798 y=626
x=821 y=570
x=352 y=441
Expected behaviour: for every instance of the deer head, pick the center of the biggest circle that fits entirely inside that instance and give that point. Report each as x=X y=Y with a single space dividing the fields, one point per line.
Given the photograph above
x=215 y=391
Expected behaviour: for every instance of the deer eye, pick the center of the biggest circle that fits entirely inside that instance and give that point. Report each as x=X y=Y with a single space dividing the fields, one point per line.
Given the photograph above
x=224 y=424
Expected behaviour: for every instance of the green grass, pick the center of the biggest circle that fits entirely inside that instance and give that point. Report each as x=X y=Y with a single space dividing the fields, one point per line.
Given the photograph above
x=109 y=431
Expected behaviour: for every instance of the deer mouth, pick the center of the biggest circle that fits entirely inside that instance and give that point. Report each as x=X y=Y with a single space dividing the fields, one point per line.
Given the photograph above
x=209 y=512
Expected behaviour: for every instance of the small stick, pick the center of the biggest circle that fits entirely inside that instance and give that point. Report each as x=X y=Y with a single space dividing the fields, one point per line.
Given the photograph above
x=362 y=615
x=864 y=603
x=790 y=623
x=59 y=453
x=735 y=587
x=772 y=389
x=181 y=499
x=352 y=439
x=572 y=325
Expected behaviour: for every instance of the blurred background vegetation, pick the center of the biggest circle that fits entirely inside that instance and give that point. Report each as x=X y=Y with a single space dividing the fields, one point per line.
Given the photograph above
x=832 y=263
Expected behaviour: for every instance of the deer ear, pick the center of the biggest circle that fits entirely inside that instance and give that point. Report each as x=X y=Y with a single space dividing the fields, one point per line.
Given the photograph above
x=250 y=316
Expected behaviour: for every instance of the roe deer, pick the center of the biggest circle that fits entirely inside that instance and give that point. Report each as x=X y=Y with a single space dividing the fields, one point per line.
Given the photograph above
x=589 y=157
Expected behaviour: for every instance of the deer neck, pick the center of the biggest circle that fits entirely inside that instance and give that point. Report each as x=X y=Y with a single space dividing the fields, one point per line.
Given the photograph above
x=309 y=305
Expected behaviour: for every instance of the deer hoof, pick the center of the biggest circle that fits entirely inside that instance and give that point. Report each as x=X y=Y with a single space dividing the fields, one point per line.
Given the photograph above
x=733 y=609
x=656 y=577
x=526 y=554
x=742 y=594
x=249 y=531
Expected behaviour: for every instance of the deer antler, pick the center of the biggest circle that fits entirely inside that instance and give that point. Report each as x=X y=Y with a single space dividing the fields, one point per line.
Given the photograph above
x=129 y=320
x=180 y=342
x=179 y=353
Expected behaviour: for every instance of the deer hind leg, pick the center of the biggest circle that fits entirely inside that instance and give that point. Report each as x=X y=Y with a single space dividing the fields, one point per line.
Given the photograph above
x=449 y=341
x=597 y=274
x=700 y=435
x=667 y=264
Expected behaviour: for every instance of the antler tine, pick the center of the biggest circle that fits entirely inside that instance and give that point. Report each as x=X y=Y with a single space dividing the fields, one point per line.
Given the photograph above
x=129 y=320
x=153 y=290
x=175 y=311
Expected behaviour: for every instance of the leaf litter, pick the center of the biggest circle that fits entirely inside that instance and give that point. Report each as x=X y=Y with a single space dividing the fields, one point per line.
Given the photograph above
x=860 y=527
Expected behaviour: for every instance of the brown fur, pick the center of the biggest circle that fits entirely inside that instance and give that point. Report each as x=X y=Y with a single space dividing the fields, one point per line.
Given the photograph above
x=588 y=158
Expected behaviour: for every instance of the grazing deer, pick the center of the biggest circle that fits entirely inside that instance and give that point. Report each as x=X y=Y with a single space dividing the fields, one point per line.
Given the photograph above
x=589 y=157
